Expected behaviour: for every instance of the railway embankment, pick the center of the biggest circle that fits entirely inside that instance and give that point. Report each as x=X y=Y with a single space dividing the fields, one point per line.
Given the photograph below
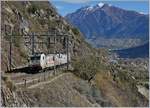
x=63 y=90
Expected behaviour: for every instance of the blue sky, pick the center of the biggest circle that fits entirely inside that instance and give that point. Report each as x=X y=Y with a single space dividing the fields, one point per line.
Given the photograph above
x=68 y=6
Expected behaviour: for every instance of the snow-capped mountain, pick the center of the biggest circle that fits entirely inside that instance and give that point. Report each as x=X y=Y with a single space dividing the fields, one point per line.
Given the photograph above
x=110 y=22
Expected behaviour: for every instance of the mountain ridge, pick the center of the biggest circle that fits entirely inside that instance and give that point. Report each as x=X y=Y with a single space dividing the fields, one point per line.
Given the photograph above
x=109 y=21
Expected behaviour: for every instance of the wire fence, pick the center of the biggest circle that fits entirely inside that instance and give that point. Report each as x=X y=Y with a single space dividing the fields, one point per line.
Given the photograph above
x=44 y=77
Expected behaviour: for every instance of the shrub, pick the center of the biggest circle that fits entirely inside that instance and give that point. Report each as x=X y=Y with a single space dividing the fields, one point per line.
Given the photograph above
x=86 y=67
x=52 y=23
x=16 y=39
x=10 y=85
x=75 y=31
x=32 y=9
x=4 y=78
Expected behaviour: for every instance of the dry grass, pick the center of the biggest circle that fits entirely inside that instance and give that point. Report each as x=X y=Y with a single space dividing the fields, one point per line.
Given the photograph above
x=109 y=90
x=59 y=93
x=121 y=92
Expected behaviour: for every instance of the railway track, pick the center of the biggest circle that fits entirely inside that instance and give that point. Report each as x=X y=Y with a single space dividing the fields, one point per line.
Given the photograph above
x=27 y=79
x=39 y=81
x=27 y=76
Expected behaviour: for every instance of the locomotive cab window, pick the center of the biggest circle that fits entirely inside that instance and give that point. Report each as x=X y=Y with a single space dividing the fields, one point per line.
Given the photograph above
x=53 y=58
x=35 y=58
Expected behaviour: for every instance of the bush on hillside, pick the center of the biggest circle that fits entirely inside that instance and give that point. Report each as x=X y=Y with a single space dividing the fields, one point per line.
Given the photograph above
x=86 y=67
x=32 y=9
x=75 y=31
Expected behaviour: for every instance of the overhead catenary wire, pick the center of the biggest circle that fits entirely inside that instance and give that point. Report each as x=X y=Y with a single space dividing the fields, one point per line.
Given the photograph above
x=32 y=42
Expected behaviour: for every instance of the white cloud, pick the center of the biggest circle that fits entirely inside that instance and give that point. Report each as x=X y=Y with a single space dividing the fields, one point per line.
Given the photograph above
x=76 y=1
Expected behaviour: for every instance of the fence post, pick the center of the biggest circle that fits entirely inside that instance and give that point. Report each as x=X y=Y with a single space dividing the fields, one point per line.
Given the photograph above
x=32 y=43
x=54 y=51
x=25 y=83
x=67 y=52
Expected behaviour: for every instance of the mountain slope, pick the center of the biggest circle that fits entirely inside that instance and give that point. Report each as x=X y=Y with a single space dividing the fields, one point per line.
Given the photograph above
x=37 y=17
x=135 y=52
x=106 y=21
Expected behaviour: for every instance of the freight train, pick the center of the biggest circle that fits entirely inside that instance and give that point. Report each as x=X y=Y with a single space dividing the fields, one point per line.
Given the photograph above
x=43 y=61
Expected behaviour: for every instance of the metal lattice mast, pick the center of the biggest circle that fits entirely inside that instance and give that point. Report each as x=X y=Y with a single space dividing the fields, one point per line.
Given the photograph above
x=67 y=52
x=54 y=50
x=32 y=43
x=10 y=50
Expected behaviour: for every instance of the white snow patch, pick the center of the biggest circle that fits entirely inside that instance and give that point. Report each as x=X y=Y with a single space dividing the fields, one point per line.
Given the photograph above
x=100 y=4
x=142 y=13
x=90 y=8
x=109 y=5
